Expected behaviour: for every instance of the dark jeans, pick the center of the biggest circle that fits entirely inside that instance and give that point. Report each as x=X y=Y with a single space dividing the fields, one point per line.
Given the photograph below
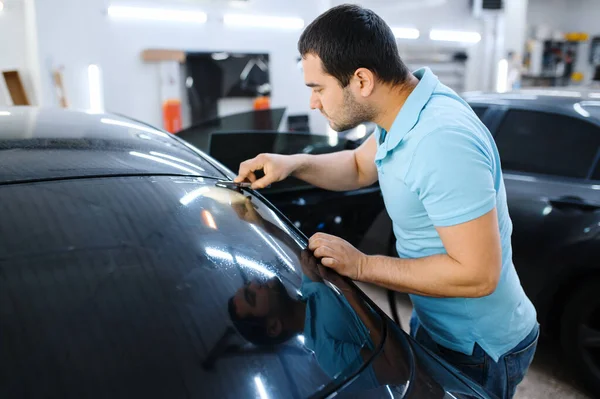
x=499 y=378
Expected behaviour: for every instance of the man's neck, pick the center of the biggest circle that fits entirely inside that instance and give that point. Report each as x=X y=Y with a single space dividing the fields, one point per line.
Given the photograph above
x=392 y=101
x=295 y=323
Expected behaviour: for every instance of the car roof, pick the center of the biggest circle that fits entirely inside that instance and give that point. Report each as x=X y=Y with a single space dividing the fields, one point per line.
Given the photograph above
x=578 y=102
x=49 y=143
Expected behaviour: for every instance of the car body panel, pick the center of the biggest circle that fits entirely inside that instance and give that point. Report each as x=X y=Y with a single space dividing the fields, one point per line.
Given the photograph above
x=43 y=143
x=118 y=285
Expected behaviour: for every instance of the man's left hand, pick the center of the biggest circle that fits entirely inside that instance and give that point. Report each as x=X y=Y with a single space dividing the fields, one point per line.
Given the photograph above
x=338 y=254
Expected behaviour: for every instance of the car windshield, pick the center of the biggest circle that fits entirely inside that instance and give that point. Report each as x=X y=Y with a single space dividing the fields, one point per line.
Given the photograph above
x=175 y=287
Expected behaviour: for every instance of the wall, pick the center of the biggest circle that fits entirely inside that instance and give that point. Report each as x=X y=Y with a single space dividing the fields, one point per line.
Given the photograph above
x=568 y=16
x=425 y=15
x=73 y=34
x=12 y=46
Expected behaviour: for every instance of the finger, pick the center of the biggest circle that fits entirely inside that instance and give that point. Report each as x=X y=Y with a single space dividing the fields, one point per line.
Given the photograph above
x=248 y=167
x=316 y=243
x=323 y=236
x=329 y=262
x=251 y=177
x=320 y=242
x=323 y=252
x=262 y=182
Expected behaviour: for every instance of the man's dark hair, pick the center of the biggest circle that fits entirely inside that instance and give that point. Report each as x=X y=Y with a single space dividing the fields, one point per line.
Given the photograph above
x=254 y=329
x=349 y=37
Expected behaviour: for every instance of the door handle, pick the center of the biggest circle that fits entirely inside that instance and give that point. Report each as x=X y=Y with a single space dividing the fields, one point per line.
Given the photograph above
x=572 y=202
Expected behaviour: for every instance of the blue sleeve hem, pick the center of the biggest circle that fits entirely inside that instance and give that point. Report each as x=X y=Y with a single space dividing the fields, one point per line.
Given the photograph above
x=465 y=215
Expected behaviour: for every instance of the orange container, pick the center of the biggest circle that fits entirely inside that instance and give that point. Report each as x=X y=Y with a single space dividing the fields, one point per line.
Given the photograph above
x=172 y=115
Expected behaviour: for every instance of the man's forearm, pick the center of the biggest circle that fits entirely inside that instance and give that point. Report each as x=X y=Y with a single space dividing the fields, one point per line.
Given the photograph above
x=435 y=276
x=337 y=171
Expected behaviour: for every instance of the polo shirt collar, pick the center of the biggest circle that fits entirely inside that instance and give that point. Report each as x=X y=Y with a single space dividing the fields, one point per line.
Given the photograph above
x=409 y=113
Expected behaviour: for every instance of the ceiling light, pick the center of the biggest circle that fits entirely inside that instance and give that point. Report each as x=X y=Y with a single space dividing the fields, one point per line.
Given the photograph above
x=1 y=6
x=157 y=14
x=406 y=33
x=4 y=113
x=263 y=21
x=454 y=36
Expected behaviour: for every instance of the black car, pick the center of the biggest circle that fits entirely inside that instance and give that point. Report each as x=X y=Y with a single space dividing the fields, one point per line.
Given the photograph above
x=132 y=266
x=549 y=143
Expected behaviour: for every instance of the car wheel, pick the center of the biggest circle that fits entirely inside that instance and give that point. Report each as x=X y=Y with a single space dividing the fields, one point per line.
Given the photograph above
x=580 y=333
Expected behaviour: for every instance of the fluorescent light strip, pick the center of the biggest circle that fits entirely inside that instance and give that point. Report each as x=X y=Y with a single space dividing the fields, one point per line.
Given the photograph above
x=163 y=161
x=157 y=14
x=263 y=21
x=4 y=113
x=454 y=36
x=172 y=158
x=1 y=6
x=133 y=126
x=406 y=33
x=95 y=85
x=502 y=78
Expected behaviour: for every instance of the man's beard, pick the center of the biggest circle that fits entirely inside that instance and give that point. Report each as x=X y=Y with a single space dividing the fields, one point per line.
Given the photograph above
x=353 y=113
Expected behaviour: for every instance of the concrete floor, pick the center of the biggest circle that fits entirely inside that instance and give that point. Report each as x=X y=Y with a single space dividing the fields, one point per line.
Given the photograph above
x=547 y=377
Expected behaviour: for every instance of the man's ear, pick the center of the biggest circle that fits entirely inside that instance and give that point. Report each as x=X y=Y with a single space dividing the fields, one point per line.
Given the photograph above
x=274 y=327
x=364 y=80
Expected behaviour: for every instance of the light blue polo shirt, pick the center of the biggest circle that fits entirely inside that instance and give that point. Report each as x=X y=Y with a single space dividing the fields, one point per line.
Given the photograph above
x=439 y=166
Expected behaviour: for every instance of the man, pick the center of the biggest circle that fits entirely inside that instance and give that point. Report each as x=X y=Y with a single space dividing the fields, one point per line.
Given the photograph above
x=337 y=325
x=265 y=314
x=439 y=173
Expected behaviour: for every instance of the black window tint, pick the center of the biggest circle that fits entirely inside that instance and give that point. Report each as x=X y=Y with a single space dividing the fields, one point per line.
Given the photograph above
x=596 y=174
x=540 y=142
x=479 y=110
x=233 y=148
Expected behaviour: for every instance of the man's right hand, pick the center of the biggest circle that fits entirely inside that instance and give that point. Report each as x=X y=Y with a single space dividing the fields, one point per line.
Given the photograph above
x=275 y=167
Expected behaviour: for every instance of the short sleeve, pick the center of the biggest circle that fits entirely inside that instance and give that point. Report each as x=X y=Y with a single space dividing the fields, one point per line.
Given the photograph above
x=452 y=173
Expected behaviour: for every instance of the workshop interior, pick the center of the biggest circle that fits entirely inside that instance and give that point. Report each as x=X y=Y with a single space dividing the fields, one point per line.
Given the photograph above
x=127 y=249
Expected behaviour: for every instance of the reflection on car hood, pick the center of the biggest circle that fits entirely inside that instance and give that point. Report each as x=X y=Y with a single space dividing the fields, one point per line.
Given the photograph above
x=121 y=287
x=38 y=143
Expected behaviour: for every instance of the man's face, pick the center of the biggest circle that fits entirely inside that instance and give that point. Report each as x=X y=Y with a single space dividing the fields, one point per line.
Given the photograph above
x=261 y=299
x=342 y=107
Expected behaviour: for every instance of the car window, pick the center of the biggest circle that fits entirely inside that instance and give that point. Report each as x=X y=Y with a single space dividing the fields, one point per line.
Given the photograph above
x=136 y=287
x=545 y=143
x=596 y=174
x=199 y=134
x=250 y=144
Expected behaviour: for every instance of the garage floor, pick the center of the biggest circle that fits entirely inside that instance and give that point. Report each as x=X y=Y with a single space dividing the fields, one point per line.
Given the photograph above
x=546 y=378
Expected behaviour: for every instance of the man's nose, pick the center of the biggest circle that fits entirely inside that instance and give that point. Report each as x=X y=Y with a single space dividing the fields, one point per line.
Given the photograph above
x=314 y=102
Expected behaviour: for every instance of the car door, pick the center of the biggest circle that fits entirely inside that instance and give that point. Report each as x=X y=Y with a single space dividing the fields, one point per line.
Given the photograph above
x=548 y=160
